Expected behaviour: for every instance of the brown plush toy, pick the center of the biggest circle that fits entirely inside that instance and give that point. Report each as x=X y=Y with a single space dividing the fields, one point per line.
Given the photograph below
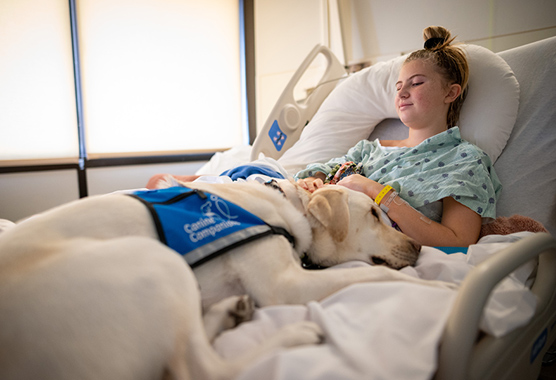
x=507 y=225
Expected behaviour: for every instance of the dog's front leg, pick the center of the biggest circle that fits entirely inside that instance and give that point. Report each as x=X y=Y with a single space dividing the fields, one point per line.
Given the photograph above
x=272 y=276
x=314 y=285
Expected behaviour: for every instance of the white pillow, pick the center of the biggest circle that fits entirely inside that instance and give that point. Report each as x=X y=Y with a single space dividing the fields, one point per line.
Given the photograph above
x=359 y=103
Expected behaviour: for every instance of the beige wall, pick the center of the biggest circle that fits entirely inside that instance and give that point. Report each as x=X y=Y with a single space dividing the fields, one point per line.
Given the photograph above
x=376 y=28
x=26 y=194
x=285 y=31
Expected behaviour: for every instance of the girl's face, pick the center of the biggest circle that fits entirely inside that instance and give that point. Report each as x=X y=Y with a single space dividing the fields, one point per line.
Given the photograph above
x=422 y=95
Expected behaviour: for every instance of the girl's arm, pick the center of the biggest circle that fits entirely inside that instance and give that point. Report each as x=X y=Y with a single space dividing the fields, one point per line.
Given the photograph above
x=460 y=226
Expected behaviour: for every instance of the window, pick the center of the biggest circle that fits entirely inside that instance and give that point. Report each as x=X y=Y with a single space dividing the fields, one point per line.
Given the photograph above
x=160 y=75
x=157 y=76
x=37 y=96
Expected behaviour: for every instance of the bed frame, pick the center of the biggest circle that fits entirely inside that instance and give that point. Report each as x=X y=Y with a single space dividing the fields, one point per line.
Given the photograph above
x=465 y=352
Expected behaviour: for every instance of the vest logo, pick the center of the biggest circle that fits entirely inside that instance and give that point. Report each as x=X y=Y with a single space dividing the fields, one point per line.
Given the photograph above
x=215 y=218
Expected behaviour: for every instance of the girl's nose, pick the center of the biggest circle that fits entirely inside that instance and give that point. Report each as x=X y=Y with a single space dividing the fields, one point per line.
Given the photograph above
x=402 y=93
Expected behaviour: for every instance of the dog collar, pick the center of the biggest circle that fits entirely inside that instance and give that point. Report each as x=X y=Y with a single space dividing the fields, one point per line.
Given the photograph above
x=274 y=185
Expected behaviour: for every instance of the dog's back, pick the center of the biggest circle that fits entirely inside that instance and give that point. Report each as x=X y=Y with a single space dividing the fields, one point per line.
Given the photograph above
x=108 y=312
x=96 y=218
x=59 y=278
x=87 y=291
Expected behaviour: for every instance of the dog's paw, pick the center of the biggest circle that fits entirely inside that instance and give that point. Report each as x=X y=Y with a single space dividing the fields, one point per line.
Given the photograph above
x=227 y=314
x=243 y=309
x=299 y=333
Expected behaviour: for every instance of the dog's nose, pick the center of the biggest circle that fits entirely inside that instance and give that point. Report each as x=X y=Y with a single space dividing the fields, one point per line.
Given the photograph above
x=416 y=246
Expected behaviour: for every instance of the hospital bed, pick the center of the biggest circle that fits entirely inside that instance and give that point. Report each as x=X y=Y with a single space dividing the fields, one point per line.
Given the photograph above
x=502 y=320
x=488 y=329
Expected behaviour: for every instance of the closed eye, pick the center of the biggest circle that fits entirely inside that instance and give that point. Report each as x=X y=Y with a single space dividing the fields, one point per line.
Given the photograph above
x=417 y=84
x=375 y=213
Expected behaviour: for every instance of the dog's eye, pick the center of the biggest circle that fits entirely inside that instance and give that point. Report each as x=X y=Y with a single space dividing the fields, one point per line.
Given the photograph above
x=375 y=213
x=378 y=261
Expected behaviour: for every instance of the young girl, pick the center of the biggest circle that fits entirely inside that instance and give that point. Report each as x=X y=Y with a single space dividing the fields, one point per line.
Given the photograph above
x=435 y=186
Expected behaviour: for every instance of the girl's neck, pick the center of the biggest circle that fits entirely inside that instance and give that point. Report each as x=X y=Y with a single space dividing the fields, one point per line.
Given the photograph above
x=416 y=136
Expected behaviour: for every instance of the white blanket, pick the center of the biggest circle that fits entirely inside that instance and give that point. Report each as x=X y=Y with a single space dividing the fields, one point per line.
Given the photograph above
x=387 y=330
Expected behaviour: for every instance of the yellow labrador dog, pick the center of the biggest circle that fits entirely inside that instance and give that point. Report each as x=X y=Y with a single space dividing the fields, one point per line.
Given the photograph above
x=88 y=291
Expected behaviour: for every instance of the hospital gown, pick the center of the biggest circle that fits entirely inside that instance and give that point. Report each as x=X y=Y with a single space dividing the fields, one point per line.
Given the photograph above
x=441 y=166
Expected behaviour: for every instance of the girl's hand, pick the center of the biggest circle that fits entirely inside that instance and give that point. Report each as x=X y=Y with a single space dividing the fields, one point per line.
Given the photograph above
x=310 y=183
x=362 y=184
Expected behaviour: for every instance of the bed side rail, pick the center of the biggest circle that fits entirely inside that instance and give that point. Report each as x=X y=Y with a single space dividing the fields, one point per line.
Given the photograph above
x=463 y=325
x=288 y=117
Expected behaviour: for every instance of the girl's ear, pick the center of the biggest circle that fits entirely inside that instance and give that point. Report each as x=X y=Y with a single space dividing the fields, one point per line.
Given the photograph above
x=454 y=90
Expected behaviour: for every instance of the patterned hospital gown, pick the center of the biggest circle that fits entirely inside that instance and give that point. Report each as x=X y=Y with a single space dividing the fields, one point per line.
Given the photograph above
x=441 y=166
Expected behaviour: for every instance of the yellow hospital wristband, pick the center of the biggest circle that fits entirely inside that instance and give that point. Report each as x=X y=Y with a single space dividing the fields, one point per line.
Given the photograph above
x=381 y=195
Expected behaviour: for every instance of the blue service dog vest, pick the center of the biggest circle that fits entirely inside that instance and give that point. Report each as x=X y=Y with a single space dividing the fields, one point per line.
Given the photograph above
x=200 y=225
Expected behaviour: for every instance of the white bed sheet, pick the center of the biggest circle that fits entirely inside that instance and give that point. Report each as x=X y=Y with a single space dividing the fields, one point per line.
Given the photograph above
x=387 y=330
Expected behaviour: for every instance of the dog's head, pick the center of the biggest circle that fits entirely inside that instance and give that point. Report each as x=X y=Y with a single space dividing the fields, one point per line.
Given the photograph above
x=347 y=225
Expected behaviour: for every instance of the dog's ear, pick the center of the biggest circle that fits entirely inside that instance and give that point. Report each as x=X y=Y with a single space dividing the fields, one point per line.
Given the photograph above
x=330 y=208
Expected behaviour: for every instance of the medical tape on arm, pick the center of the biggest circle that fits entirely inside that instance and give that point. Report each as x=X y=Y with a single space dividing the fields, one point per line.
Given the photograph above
x=401 y=202
x=385 y=206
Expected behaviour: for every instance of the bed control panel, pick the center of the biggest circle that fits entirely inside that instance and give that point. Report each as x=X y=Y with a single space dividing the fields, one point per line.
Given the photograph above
x=277 y=136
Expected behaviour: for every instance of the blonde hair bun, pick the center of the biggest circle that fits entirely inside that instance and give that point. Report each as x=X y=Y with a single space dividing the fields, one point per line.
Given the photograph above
x=437 y=37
